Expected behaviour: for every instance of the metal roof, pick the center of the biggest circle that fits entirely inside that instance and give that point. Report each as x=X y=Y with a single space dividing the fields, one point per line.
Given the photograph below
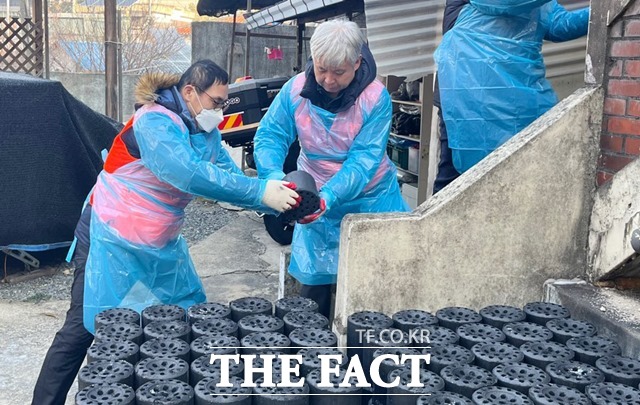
x=217 y=8
x=311 y=10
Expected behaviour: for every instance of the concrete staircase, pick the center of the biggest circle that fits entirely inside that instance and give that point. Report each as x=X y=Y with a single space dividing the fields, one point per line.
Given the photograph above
x=615 y=313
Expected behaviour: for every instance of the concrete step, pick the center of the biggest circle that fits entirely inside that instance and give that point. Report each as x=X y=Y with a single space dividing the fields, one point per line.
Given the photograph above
x=615 y=313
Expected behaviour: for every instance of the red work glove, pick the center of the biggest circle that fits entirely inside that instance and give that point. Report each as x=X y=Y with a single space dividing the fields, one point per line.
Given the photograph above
x=293 y=186
x=312 y=217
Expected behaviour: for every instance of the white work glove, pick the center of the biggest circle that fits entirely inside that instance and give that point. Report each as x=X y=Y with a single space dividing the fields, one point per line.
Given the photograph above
x=280 y=195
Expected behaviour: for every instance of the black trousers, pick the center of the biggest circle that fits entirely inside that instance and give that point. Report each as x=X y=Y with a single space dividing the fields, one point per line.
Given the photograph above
x=321 y=294
x=446 y=171
x=69 y=347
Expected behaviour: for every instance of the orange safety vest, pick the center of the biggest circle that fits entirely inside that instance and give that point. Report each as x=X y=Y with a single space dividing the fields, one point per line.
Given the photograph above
x=118 y=155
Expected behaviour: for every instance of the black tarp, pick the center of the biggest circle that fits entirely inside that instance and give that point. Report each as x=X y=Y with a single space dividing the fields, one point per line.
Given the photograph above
x=50 y=156
x=217 y=8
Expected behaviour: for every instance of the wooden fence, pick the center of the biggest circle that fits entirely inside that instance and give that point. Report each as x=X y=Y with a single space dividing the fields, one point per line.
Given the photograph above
x=22 y=46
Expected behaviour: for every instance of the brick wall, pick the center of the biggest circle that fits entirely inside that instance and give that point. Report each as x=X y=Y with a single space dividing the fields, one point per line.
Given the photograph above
x=620 y=142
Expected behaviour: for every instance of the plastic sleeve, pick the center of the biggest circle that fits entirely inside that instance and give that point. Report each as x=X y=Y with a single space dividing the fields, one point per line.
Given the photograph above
x=276 y=133
x=225 y=162
x=165 y=150
x=563 y=25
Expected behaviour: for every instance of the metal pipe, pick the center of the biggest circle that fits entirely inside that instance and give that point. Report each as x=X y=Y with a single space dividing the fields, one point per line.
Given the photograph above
x=272 y=36
x=300 y=39
x=233 y=44
x=247 y=43
x=119 y=32
x=111 y=59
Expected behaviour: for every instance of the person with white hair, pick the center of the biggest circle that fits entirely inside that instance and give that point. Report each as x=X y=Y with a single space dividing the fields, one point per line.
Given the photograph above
x=341 y=116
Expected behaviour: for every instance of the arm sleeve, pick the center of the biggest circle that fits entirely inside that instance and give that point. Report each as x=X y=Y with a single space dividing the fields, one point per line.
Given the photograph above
x=225 y=162
x=165 y=150
x=276 y=133
x=364 y=156
x=563 y=25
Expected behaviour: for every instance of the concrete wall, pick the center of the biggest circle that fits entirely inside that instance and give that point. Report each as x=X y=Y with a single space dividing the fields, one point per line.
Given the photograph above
x=614 y=313
x=493 y=236
x=212 y=40
x=616 y=214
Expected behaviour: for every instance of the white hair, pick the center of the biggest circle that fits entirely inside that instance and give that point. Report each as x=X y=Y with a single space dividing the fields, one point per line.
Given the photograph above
x=336 y=42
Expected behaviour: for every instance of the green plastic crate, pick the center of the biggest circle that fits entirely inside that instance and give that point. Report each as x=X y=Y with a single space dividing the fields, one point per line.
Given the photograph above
x=399 y=155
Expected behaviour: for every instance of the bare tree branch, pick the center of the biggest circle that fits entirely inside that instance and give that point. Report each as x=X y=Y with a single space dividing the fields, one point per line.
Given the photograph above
x=77 y=43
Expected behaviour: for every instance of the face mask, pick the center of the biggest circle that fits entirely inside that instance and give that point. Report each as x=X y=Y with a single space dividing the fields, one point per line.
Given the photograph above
x=208 y=120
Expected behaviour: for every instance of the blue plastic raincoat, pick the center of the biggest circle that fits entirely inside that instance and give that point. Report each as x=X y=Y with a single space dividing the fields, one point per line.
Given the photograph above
x=491 y=72
x=344 y=151
x=137 y=255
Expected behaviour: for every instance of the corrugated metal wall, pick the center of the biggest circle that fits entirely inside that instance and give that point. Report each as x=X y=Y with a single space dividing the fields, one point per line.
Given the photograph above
x=403 y=34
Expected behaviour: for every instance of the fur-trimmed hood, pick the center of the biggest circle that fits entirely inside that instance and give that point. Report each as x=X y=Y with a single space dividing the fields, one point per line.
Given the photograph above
x=150 y=84
x=160 y=88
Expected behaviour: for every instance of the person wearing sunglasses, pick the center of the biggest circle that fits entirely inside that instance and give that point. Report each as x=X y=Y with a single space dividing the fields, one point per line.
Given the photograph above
x=169 y=151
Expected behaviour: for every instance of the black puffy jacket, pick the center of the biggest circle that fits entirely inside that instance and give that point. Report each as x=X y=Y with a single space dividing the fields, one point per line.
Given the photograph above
x=451 y=10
